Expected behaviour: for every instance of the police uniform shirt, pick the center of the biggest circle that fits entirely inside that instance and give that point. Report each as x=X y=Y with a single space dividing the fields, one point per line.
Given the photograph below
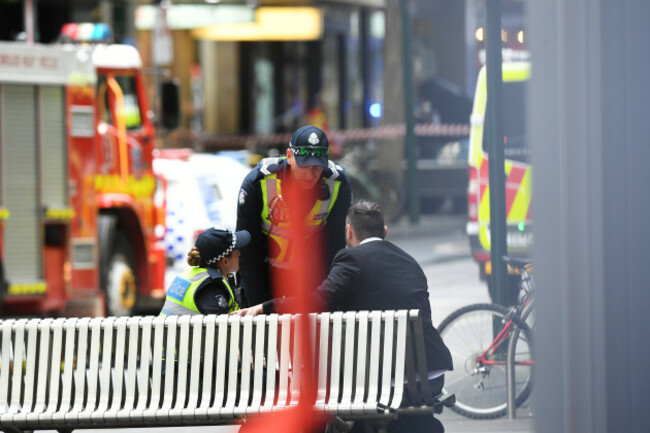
x=212 y=296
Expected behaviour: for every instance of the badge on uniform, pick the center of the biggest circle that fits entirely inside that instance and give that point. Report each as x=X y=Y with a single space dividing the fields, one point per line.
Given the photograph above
x=242 y=197
x=221 y=301
x=178 y=288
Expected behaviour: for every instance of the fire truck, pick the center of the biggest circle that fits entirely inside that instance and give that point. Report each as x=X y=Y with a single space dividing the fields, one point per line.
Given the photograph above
x=81 y=217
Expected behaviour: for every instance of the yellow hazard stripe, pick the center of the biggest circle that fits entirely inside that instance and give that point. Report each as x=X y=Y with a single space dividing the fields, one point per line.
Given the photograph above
x=4 y=213
x=516 y=71
x=59 y=214
x=27 y=288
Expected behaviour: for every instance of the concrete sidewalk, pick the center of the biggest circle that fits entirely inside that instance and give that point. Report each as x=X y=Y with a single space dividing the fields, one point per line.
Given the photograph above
x=455 y=423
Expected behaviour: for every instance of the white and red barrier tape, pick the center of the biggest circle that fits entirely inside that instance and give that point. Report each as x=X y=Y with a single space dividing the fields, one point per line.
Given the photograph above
x=379 y=133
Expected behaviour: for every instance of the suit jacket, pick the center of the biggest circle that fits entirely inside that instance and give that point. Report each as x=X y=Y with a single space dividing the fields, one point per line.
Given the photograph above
x=378 y=275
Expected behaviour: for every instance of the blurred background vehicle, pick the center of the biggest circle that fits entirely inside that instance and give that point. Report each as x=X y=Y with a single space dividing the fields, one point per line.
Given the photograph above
x=201 y=192
x=518 y=174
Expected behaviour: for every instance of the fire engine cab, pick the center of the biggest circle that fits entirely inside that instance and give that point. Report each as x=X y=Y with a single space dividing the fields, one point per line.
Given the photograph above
x=80 y=226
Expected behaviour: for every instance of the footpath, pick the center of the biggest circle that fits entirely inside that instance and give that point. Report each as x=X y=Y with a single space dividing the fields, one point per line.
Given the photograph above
x=455 y=423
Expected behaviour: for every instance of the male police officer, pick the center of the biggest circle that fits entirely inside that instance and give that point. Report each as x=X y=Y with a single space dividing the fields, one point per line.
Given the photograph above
x=321 y=203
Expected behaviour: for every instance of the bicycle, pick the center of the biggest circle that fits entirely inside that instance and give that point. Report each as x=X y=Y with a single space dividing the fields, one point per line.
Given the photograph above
x=481 y=338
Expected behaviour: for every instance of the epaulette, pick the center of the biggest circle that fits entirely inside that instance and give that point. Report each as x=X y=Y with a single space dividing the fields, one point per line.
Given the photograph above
x=333 y=170
x=270 y=165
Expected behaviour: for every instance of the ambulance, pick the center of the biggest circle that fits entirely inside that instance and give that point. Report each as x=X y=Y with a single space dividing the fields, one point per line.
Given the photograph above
x=518 y=176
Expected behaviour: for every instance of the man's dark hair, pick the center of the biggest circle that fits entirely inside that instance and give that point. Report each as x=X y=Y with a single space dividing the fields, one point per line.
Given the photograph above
x=366 y=219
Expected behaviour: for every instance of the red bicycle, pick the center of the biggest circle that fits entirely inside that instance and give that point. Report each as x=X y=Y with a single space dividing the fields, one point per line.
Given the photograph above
x=482 y=338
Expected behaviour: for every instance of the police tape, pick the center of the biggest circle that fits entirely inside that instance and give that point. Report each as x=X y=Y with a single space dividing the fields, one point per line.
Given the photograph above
x=387 y=132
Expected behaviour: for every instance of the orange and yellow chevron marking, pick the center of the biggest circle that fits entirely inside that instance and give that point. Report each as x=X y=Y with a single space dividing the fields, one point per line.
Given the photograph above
x=518 y=196
x=518 y=193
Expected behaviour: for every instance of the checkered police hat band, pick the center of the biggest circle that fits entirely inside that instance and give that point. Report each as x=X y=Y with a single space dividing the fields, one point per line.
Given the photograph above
x=226 y=253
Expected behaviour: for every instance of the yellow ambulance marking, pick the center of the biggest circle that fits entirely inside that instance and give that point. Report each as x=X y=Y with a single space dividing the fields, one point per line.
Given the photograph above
x=484 y=212
x=519 y=208
x=516 y=72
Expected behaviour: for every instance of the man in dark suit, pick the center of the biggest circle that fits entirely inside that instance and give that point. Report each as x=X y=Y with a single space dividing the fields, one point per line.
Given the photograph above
x=374 y=274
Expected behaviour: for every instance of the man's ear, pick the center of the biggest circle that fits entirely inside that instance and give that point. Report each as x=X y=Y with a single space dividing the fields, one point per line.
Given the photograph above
x=385 y=231
x=349 y=234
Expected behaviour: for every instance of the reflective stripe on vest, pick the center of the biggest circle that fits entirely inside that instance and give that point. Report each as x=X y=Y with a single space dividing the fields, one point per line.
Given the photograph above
x=275 y=223
x=180 y=294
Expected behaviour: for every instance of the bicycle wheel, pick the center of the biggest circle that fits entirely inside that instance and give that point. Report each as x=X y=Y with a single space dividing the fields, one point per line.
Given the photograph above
x=516 y=351
x=479 y=376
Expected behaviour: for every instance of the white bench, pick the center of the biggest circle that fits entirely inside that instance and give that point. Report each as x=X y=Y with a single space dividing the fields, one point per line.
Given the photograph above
x=111 y=372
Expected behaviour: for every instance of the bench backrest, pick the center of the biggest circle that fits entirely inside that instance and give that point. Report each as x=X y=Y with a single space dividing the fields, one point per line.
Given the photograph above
x=207 y=370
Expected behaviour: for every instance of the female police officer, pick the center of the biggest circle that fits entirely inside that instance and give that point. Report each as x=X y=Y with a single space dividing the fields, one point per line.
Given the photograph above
x=203 y=289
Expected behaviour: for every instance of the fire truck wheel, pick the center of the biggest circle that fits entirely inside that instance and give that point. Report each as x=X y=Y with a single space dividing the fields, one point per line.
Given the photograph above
x=121 y=286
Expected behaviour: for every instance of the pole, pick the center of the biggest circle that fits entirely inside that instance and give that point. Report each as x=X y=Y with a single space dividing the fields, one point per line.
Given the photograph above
x=29 y=12
x=498 y=246
x=409 y=118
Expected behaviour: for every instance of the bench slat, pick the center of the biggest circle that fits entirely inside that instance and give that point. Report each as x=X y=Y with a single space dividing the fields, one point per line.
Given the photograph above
x=323 y=358
x=400 y=359
x=348 y=363
x=147 y=376
x=362 y=362
x=196 y=364
x=258 y=380
x=5 y=364
x=271 y=363
x=156 y=387
x=182 y=365
x=228 y=409
x=108 y=328
x=222 y=345
x=130 y=386
x=210 y=323
x=53 y=413
x=80 y=371
x=245 y=366
x=370 y=406
x=284 y=362
x=296 y=362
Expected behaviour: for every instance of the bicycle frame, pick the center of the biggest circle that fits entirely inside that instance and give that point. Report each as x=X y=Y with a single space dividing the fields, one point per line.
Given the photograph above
x=505 y=333
x=501 y=337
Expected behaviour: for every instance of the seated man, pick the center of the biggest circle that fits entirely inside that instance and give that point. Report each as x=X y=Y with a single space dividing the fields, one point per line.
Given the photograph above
x=374 y=274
